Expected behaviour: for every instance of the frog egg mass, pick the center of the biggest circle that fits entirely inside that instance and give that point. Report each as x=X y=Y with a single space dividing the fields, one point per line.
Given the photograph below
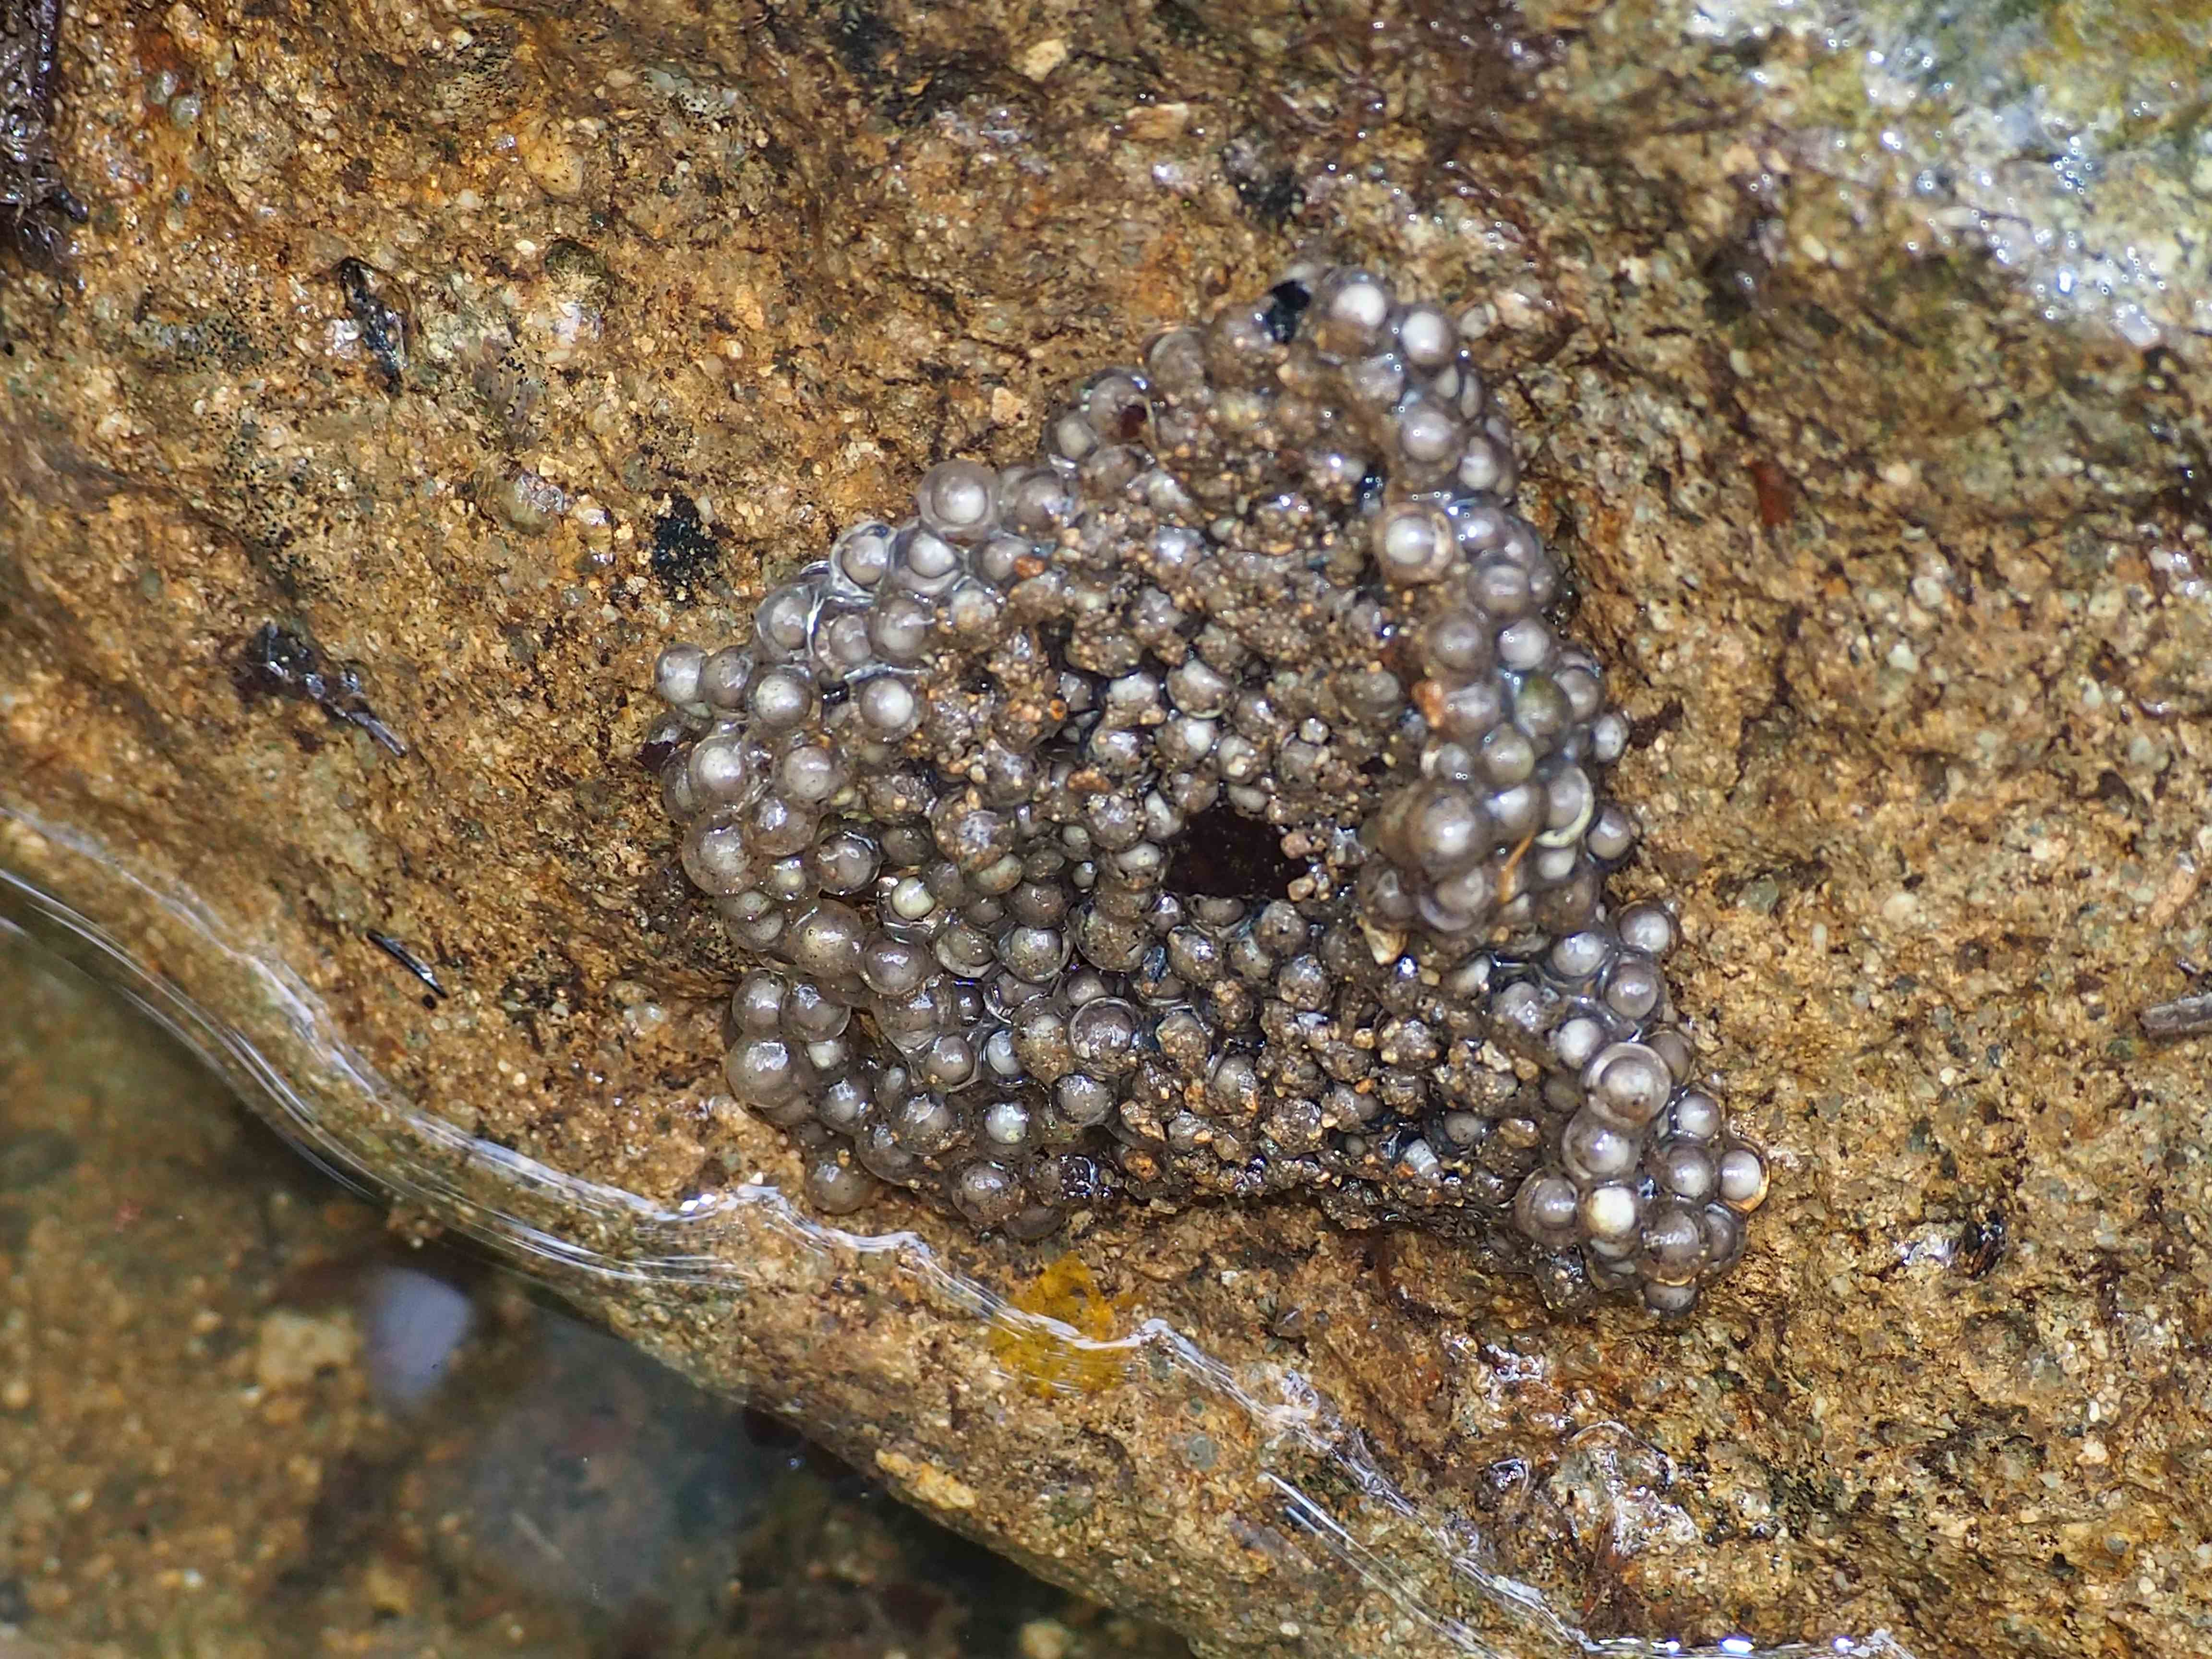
x=1211 y=809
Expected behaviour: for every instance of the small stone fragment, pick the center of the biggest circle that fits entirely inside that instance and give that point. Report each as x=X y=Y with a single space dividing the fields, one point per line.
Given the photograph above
x=2183 y=1017
x=294 y=1347
x=928 y=1483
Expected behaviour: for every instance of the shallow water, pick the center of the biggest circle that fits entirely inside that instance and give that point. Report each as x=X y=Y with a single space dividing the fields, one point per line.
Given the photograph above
x=1309 y=1472
x=243 y=1411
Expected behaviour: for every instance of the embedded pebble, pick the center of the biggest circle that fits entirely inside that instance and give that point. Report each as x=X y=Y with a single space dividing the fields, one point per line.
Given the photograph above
x=1210 y=809
x=293 y=1348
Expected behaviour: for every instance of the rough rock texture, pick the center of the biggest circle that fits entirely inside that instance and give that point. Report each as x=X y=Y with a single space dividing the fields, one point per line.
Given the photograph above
x=480 y=355
x=240 y=1417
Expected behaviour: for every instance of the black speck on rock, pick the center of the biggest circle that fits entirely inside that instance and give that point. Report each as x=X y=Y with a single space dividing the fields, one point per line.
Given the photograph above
x=684 y=552
x=372 y=299
x=1265 y=184
x=865 y=39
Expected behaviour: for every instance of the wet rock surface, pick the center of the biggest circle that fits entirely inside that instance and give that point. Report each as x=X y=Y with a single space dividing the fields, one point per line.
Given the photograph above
x=240 y=1415
x=484 y=356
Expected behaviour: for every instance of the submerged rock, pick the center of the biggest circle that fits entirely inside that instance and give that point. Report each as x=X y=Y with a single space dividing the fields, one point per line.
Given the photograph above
x=483 y=355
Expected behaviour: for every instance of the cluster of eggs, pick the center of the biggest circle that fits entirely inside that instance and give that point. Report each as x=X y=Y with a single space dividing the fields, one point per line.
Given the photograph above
x=1210 y=808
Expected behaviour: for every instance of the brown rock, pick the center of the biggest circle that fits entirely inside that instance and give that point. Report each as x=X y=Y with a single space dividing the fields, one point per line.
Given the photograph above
x=1901 y=581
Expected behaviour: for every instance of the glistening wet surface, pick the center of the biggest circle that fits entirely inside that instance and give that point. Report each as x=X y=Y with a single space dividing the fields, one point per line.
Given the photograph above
x=244 y=1412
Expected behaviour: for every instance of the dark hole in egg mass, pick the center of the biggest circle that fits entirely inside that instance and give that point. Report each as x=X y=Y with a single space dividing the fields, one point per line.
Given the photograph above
x=1225 y=854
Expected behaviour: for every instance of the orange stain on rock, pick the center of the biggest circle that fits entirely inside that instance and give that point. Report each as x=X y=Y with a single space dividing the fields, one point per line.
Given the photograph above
x=1046 y=1360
